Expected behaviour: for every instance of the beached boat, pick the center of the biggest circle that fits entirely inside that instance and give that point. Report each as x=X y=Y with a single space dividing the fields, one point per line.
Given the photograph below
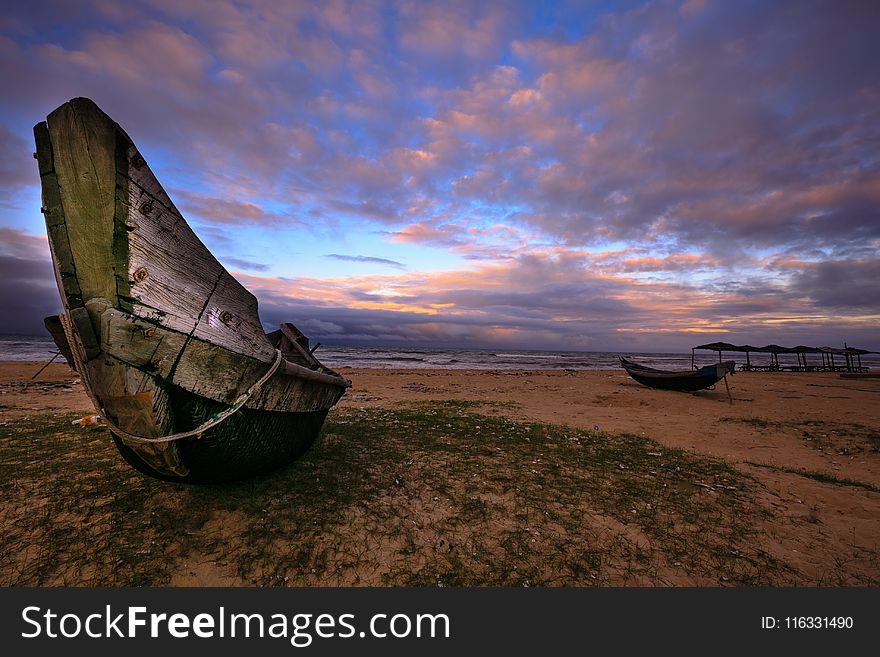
x=681 y=380
x=167 y=343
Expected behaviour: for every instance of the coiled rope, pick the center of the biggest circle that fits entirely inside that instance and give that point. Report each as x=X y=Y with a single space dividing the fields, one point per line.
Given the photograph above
x=213 y=421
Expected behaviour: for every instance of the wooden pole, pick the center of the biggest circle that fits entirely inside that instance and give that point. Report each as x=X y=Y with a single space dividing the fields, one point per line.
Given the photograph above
x=27 y=383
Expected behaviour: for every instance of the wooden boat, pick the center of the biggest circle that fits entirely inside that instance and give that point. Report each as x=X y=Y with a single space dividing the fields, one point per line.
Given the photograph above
x=681 y=380
x=167 y=343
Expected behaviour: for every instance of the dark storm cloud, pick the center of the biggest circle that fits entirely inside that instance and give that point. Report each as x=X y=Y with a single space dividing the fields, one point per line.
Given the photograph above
x=17 y=167
x=852 y=284
x=27 y=283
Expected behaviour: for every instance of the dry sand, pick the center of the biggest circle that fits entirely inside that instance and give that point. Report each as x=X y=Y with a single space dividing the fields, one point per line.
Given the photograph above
x=617 y=404
x=788 y=421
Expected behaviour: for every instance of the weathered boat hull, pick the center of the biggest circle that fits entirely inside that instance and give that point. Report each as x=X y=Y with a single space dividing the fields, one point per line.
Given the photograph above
x=163 y=337
x=681 y=381
x=250 y=443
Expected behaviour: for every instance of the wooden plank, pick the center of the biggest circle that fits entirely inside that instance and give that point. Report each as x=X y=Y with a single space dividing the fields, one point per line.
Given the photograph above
x=44 y=148
x=231 y=320
x=292 y=352
x=214 y=372
x=106 y=379
x=120 y=229
x=176 y=281
x=56 y=228
x=65 y=271
x=300 y=343
x=169 y=282
x=82 y=325
x=83 y=141
x=56 y=330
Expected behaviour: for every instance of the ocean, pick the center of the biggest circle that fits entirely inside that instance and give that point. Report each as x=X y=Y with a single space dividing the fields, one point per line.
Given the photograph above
x=41 y=349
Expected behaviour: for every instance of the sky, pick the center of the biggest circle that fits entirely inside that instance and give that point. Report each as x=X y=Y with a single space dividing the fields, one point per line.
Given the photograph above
x=637 y=176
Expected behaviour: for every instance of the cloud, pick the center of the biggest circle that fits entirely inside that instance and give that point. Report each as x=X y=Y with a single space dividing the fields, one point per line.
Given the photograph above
x=454 y=31
x=841 y=284
x=27 y=283
x=366 y=259
x=706 y=132
x=17 y=167
x=553 y=299
x=663 y=163
x=547 y=301
x=220 y=211
x=445 y=235
x=240 y=263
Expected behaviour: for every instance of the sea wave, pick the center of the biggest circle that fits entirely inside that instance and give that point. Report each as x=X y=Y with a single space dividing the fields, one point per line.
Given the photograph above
x=41 y=349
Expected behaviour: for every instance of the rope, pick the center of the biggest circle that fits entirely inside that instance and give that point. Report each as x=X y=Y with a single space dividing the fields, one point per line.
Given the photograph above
x=213 y=421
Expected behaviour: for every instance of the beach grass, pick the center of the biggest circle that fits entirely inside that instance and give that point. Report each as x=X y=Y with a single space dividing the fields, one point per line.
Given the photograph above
x=432 y=494
x=816 y=475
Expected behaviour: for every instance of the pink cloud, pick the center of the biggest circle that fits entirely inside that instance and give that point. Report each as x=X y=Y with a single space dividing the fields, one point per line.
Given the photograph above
x=448 y=235
x=451 y=29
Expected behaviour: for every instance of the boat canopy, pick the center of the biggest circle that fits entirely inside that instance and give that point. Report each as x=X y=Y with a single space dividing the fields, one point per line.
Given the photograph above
x=776 y=349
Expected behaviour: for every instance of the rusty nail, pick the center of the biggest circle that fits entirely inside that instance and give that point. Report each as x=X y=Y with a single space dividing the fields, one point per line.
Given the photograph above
x=147 y=208
x=226 y=317
x=149 y=333
x=140 y=275
x=137 y=161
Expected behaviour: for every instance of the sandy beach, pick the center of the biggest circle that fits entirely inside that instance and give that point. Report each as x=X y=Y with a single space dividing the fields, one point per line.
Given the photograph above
x=431 y=477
